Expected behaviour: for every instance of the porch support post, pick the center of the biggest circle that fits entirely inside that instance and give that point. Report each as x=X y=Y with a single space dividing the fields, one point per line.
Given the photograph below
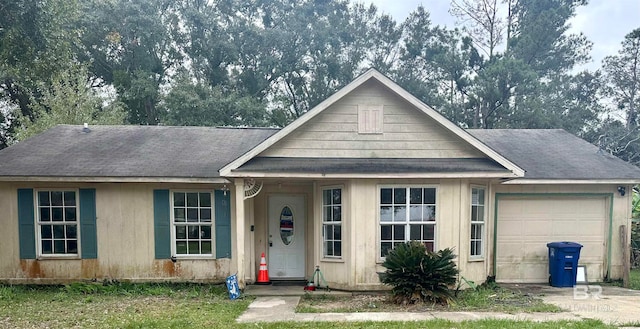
x=240 y=231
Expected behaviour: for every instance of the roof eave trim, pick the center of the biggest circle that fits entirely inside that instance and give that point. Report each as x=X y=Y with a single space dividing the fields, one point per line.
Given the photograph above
x=198 y=180
x=369 y=175
x=372 y=73
x=520 y=181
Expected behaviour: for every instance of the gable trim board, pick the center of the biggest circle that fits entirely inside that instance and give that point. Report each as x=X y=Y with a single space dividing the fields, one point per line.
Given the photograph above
x=609 y=197
x=228 y=170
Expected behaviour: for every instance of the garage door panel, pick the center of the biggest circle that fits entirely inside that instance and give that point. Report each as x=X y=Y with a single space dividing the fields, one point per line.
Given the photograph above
x=513 y=226
x=510 y=251
x=525 y=226
x=535 y=228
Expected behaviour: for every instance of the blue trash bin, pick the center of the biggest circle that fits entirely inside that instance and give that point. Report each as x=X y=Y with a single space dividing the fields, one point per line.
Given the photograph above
x=563 y=263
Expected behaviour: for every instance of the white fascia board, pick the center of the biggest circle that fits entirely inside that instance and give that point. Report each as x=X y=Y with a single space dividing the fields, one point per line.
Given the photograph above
x=372 y=176
x=114 y=179
x=521 y=181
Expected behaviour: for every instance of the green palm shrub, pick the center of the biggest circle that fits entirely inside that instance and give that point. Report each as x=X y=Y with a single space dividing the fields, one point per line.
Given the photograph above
x=418 y=275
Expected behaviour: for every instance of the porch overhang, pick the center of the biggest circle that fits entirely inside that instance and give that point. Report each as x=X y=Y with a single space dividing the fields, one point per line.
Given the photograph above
x=278 y=167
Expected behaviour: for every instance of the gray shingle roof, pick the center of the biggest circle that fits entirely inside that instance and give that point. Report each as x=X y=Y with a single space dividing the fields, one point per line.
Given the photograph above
x=129 y=151
x=555 y=154
x=369 y=165
x=199 y=152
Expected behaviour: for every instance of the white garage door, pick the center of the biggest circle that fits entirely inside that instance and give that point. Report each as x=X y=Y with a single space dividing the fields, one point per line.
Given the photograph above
x=526 y=225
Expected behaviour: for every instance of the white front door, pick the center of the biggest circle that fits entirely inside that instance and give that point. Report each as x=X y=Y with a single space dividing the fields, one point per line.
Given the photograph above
x=287 y=216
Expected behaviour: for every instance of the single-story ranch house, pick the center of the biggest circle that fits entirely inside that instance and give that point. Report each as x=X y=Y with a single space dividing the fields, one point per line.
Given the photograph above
x=368 y=168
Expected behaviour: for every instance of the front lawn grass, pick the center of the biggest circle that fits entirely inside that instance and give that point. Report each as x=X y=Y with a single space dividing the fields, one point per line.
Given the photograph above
x=118 y=306
x=124 y=305
x=634 y=279
x=485 y=298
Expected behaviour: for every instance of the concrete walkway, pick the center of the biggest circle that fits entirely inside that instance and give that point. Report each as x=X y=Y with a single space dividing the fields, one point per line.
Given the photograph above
x=611 y=305
x=277 y=309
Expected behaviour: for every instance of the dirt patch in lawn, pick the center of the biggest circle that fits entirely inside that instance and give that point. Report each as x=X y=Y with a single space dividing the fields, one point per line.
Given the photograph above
x=487 y=299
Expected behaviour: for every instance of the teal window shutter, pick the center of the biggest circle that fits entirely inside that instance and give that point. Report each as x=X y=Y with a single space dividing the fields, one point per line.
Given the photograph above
x=223 y=224
x=88 y=231
x=162 y=223
x=26 y=224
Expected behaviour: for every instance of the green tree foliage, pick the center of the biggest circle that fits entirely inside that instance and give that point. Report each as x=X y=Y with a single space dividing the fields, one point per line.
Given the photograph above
x=132 y=45
x=525 y=82
x=238 y=62
x=69 y=100
x=619 y=133
x=622 y=73
x=37 y=39
x=192 y=103
x=418 y=275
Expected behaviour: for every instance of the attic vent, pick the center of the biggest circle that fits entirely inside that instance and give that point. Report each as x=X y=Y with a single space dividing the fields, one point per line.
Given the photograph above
x=251 y=188
x=370 y=119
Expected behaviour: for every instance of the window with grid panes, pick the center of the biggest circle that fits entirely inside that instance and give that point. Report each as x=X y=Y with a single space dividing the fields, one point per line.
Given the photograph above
x=477 y=222
x=57 y=221
x=192 y=213
x=407 y=214
x=332 y=223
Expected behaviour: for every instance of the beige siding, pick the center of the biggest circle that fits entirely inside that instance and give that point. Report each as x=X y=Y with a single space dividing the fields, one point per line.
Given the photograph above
x=407 y=132
x=125 y=241
x=452 y=229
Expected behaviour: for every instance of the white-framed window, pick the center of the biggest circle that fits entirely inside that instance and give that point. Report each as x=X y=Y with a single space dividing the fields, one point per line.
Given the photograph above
x=407 y=214
x=57 y=222
x=476 y=249
x=191 y=216
x=332 y=222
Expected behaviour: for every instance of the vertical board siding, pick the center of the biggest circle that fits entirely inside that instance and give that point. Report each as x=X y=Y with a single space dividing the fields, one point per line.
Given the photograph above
x=88 y=234
x=406 y=131
x=26 y=224
x=223 y=224
x=162 y=224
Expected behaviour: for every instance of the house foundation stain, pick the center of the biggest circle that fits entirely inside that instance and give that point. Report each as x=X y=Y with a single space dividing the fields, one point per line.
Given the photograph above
x=31 y=269
x=90 y=269
x=167 y=268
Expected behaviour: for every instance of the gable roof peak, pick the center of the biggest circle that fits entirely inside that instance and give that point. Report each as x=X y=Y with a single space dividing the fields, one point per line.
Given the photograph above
x=372 y=73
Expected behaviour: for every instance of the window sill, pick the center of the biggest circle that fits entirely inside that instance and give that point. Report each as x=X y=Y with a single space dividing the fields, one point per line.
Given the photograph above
x=179 y=258
x=476 y=259
x=54 y=257
x=332 y=260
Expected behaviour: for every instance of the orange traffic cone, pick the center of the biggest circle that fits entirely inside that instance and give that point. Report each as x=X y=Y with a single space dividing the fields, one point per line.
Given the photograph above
x=263 y=274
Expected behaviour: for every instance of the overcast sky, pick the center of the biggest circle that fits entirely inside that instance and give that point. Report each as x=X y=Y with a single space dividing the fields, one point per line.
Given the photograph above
x=604 y=22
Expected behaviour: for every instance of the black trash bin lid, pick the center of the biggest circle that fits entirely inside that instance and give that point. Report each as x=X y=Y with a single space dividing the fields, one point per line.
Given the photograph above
x=564 y=244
